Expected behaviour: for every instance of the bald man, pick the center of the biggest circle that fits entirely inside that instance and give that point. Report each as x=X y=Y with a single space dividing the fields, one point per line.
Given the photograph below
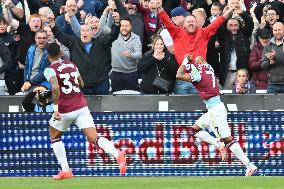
x=273 y=60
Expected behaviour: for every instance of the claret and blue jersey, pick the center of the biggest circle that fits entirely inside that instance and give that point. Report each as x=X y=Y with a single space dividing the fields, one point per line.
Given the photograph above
x=208 y=85
x=67 y=75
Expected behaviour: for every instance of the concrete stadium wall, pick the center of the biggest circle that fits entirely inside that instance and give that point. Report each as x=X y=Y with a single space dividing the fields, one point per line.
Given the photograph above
x=142 y=103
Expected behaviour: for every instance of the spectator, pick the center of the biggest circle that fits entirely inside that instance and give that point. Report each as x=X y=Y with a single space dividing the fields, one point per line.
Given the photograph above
x=12 y=73
x=273 y=60
x=213 y=46
x=91 y=56
x=152 y=21
x=36 y=62
x=200 y=16
x=259 y=76
x=235 y=47
x=265 y=4
x=90 y=20
x=109 y=16
x=242 y=84
x=63 y=21
x=195 y=4
x=157 y=62
x=45 y=12
x=26 y=33
x=178 y=15
x=125 y=53
x=130 y=10
x=186 y=37
x=51 y=39
x=216 y=11
x=189 y=39
x=35 y=5
x=16 y=8
x=92 y=7
x=269 y=19
x=5 y=63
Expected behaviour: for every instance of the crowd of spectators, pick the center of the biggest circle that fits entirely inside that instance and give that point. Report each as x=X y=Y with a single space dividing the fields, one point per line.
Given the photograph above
x=126 y=44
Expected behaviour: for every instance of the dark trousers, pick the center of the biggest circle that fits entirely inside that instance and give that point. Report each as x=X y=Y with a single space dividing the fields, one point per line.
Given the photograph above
x=124 y=81
x=14 y=81
x=100 y=89
x=27 y=102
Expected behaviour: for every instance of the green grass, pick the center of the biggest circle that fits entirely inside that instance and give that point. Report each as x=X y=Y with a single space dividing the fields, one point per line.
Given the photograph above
x=144 y=183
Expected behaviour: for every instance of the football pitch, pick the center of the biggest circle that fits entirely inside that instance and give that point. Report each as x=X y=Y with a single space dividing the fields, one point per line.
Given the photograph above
x=259 y=182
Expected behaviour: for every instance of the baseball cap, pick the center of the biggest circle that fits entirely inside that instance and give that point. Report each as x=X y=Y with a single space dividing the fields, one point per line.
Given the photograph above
x=179 y=11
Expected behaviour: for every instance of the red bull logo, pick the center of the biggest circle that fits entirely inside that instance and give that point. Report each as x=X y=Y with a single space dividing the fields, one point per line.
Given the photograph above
x=176 y=145
x=276 y=148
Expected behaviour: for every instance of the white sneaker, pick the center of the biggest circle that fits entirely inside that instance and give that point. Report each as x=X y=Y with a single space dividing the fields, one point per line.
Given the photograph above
x=251 y=169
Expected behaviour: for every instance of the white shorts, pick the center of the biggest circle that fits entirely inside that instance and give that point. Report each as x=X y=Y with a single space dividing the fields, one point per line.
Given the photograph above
x=216 y=120
x=82 y=118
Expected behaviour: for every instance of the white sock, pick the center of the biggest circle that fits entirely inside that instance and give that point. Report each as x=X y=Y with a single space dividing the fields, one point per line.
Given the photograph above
x=238 y=151
x=60 y=153
x=107 y=146
x=206 y=137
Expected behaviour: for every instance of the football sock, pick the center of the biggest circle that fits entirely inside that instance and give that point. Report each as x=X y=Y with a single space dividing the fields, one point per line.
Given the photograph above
x=60 y=153
x=107 y=146
x=206 y=137
x=238 y=151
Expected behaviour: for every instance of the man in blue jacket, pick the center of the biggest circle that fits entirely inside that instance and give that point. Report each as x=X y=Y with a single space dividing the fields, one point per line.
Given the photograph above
x=36 y=62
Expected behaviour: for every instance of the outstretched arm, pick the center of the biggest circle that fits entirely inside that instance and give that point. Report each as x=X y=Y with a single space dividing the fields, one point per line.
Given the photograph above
x=11 y=21
x=167 y=22
x=182 y=75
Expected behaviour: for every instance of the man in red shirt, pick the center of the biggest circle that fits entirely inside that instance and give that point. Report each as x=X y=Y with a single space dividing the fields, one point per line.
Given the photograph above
x=188 y=39
x=70 y=106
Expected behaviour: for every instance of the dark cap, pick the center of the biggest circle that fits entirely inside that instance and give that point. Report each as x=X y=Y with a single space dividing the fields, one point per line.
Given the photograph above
x=179 y=11
x=263 y=33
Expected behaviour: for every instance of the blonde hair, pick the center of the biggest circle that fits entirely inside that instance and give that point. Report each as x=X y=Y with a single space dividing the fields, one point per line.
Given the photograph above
x=200 y=11
x=154 y=39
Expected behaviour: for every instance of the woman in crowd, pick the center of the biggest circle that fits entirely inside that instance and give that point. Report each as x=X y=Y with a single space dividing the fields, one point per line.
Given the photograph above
x=157 y=62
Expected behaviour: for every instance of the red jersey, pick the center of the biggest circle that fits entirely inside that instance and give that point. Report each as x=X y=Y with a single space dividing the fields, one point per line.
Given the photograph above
x=71 y=97
x=208 y=86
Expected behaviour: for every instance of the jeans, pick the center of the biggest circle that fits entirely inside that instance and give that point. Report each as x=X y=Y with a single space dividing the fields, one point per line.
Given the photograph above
x=275 y=88
x=101 y=89
x=184 y=88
